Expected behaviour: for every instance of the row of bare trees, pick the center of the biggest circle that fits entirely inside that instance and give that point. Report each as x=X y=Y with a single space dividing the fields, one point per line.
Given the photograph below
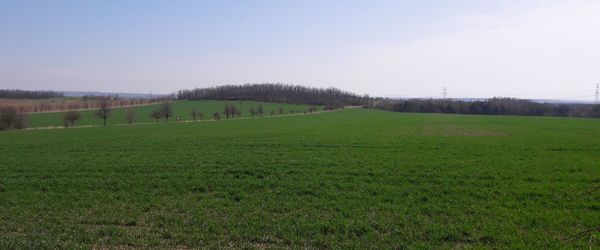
x=164 y=110
x=57 y=105
x=69 y=118
x=10 y=117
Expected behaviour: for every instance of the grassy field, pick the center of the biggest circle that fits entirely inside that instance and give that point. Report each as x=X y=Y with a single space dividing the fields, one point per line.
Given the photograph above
x=348 y=179
x=142 y=113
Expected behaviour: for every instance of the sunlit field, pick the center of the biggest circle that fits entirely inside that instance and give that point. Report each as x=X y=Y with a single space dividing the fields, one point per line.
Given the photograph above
x=347 y=179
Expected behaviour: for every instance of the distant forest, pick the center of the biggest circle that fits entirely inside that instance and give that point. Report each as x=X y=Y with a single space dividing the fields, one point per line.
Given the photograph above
x=268 y=92
x=29 y=94
x=493 y=106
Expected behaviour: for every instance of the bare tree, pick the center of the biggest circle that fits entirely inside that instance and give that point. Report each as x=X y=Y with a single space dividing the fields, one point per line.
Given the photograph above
x=194 y=114
x=10 y=117
x=252 y=111
x=70 y=117
x=130 y=116
x=231 y=110
x=103 y=111
x=227 y=110
x=260 y=110
x=156 y=114
x=167 y=109
x=22 y=121
x=217 y=116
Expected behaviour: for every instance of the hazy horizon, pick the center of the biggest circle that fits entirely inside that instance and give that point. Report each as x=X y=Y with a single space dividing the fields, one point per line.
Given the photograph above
x=526 y=49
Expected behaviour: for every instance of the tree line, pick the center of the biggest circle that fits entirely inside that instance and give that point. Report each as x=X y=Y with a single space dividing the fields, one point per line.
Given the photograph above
x=37 y=106
x=29 y=94
x=493 y=106
x=275 y=92
x=165 y=111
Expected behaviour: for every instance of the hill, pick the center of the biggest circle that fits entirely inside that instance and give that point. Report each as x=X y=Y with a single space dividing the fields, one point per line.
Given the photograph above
x=355 y=178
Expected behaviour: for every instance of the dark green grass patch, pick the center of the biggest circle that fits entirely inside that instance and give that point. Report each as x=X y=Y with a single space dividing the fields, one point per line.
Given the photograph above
x=347 y=179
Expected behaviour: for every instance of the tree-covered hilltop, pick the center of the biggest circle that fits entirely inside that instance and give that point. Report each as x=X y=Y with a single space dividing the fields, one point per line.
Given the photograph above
x=275 y=92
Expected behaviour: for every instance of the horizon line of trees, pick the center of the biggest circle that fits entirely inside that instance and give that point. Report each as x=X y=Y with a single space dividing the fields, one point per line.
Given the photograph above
x=29 y=94
x=493 y=106
x=276 y=92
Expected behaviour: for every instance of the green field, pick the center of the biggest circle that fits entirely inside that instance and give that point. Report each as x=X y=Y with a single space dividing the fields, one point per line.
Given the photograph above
x=354 y=178
x=142 y=113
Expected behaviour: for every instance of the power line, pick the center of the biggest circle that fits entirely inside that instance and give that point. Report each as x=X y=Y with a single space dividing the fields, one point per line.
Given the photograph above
x=445 y=93
x=597 y=100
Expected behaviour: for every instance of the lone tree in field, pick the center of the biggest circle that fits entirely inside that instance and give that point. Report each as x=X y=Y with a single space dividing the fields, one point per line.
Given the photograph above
x=130 y=116
x=194 y=114
x=217 y=116
x=103 y=109
x=156 y=114
x=70 y=117
x=167 y=110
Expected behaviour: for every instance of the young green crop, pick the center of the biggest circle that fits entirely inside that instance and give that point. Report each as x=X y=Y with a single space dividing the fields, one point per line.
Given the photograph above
x=347 y=179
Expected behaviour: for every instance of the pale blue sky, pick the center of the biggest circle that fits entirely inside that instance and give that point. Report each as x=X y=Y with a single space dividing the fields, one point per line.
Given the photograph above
x=534 y=48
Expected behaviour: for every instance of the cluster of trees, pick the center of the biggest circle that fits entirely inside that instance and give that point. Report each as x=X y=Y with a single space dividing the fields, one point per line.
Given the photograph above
x=231 y=110
x=196 y=114
x=11 y=118
x=70 y=117
x=258 y=111
x=164 y=110
x=29 y=94
x=104 y=112
x=269 y=92
x=493 y=106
